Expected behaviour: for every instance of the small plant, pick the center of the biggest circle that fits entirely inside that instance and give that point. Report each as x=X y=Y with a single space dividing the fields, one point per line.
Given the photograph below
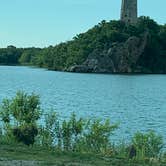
x=72 y=131
x=147 y=145
x=49 y=132
x=121 y=150
x=75 y=134
x=97 y=136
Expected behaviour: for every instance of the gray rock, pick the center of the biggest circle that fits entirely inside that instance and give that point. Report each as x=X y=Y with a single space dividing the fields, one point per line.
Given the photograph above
x=119 y=58
x=80 y=69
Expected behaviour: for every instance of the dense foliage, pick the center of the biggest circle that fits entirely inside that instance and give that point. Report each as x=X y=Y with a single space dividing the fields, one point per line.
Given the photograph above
x=99 y=38
x=14 y=56
x=10 y=55
x=20 y=116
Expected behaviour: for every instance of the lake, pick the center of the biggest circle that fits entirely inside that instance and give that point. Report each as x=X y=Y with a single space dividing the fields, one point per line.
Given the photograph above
x=137 y=102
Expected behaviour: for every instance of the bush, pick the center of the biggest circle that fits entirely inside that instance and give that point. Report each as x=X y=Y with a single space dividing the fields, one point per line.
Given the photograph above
x=48 y=132
x=147 y=145
x=25 y=134
x=63 y=135
x=97 y=137
x=76 y=134
x=20 y=114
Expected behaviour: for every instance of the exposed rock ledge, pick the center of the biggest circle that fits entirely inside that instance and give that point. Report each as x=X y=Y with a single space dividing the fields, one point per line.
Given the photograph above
x=119 y=58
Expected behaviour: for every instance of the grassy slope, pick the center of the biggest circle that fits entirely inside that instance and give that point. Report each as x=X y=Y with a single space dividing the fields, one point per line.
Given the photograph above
x=21 y=155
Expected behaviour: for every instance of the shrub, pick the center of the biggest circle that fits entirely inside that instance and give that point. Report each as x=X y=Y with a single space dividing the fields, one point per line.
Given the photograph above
x=20 y=114
x=147 y=145
x=97 y=136
x=25 y=134
x=63 y=135
x=75 y=134
x=48 y=131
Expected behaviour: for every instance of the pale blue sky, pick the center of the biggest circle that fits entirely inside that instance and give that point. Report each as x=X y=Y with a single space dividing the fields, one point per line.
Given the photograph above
x=41 y=23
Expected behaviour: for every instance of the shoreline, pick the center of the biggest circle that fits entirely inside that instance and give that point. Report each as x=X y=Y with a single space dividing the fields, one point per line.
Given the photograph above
x=63 y=71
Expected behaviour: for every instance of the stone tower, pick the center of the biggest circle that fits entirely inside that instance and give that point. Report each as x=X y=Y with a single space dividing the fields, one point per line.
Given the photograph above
x=129 y=11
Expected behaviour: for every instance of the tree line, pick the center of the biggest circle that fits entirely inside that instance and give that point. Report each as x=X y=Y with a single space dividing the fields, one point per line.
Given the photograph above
x=100 y=37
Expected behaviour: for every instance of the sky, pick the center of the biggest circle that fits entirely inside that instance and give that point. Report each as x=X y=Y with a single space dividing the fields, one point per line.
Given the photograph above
x=41 y=23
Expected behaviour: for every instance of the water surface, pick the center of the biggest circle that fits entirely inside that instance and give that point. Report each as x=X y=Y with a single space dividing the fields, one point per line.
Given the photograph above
x=138 y=102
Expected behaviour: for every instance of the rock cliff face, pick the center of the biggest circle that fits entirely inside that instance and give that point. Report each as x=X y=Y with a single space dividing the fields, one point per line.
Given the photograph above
x=119 y=58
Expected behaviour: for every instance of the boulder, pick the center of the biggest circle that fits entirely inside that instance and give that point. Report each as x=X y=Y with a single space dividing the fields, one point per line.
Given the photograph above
x=119 y=58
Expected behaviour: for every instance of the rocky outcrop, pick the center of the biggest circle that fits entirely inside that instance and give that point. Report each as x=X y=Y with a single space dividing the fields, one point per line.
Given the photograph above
x=119 y=58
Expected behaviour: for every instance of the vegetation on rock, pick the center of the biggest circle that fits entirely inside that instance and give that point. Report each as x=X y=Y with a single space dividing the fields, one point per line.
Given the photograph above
x=99 y=39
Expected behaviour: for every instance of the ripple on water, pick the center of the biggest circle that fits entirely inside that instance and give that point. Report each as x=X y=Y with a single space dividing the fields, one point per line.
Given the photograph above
x=137 y=102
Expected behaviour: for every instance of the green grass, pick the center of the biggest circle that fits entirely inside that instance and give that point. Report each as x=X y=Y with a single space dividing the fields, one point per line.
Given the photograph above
x=46 y=157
